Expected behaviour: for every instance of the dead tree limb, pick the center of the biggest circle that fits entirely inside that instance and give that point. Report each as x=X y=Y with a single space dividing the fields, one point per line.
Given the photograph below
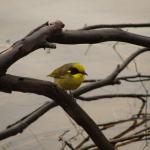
x=124 y=25
x=20 y=125
x=52 y=32
x=110 y=79
x=50 y=90
x=121 y=95
x=132 y=78
x=33 y=41
x=98 y=36
x=41 y=37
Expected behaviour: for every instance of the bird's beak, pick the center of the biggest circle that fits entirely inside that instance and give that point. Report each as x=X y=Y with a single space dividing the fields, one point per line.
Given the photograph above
x=85 y=73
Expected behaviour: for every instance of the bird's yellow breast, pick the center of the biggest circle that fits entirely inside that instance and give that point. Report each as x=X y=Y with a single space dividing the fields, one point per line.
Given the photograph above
x=70 y=82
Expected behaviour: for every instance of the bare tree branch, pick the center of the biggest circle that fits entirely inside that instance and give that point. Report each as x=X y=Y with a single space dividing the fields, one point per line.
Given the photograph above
x=124 y=25
x=120 y=141
x=50 y=90
x=43 y=37
x=132 y=78
x=52 y=32
x=129 y=138
x=31 y=42
x=108 y=96
x=110 y=79
x=97 y=97
x=20 y=125
x=98 y=36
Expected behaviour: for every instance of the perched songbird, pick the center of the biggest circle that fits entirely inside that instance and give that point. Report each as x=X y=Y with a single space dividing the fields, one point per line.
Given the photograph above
x=69 y=76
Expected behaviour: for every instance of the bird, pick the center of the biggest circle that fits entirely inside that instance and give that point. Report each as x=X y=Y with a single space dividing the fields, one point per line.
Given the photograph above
x=68 y=76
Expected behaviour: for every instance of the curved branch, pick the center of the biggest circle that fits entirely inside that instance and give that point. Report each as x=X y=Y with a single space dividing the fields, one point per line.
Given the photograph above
x=20 y=125
x=52 y=32
x=10 y=83
x=34 y=40
x=110 y=79
x=98 y=36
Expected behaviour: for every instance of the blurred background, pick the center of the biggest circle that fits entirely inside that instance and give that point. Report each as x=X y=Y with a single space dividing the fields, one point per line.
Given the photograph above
x=18 y=18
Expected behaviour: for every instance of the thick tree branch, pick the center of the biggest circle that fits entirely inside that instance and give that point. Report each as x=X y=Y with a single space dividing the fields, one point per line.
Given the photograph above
x=98 y=36
x=10 y=83
x=18 y=126
x=34 y=40
x=96 y=97
x=52 y=32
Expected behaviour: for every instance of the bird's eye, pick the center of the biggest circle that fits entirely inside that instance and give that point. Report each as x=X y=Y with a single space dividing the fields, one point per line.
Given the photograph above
x=74 y=71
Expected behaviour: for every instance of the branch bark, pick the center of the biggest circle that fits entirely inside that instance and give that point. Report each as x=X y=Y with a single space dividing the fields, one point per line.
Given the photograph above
x=98 y=36
x=20 y=125
x=97 y=97
x=110 y=79
x=14 y=83
x=34 y=40
x=124 y=25
x=41 y=37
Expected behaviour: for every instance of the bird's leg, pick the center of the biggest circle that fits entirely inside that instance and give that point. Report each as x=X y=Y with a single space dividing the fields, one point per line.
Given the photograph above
x=70 y=92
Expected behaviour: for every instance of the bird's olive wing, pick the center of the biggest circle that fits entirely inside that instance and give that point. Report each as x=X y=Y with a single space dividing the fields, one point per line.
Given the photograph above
x=61 y=72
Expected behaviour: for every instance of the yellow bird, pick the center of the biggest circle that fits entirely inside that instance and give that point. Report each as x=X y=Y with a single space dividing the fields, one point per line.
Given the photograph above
x=69 y=76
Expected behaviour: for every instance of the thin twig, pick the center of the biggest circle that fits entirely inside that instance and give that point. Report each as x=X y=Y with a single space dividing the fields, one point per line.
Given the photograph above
x=108 y=96
x=125 y=25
